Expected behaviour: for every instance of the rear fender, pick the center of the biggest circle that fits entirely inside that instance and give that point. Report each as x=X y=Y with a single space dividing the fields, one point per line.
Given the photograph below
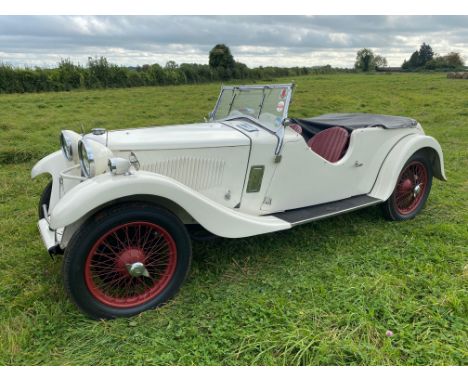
x=399 y=155
x=93 y=194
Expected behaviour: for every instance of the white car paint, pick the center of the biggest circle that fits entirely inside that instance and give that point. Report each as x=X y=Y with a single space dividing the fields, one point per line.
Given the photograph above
x=191 y=136
x=398 y=156
x=52 y=164
x=304 y=178
x=220 y=220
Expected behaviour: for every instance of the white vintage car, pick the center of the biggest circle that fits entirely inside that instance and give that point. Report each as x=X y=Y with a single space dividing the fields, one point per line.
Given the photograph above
x=121 y=203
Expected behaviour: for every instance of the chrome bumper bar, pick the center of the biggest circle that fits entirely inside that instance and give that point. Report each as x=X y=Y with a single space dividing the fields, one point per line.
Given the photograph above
x=50 y=238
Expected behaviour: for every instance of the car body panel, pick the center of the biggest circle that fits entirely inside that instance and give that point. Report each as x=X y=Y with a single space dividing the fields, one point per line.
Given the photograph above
x=216 y=218
x=303 y=178
x=398 y=156
x=52 y=164
x=216 y=172
x=190 y=136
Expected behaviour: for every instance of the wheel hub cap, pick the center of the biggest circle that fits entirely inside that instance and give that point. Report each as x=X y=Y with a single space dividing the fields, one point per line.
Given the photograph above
x=128 y=257
x=407 y=185
x=137 y=269
x=417 y=190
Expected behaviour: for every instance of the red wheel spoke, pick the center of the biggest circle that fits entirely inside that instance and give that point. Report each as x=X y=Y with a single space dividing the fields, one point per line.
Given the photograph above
x=158 y=262
x=114 y=251
x=136 y=235
x=152 y=241
x=158 y=250
x=106 y=258
x=127 y=237
x=148 y=234
x=121 y=243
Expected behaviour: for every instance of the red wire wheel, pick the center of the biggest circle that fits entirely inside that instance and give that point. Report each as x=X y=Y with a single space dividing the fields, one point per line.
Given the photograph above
x=411 y=187
x=130 y=264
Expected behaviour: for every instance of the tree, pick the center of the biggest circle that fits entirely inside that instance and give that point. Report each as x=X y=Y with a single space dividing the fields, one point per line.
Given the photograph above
x=425 y=54
x=366 y=60
x=425 y=58
x=221 y=57
x=98 y=72
x=69 y=74
x=449 y=61
x=171 y=65
x=380 y=62
x=414 y=60
x=454 y=60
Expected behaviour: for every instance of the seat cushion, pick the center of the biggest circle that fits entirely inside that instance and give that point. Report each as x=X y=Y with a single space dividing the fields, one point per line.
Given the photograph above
x=330 y=144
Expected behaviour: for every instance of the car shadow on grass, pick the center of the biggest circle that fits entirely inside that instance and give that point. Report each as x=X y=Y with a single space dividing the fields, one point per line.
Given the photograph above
x=216 y=254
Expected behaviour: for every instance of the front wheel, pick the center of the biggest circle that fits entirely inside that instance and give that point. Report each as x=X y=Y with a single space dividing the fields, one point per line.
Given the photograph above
x=411 y=190
x=44 y=200
x=126 y=260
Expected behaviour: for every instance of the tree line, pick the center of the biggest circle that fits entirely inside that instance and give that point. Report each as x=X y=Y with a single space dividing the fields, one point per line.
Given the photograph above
x=426 y=59
x=421 y=60
x=100 y=73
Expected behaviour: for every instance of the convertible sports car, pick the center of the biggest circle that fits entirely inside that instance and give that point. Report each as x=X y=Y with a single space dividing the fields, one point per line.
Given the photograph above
x=121 y=204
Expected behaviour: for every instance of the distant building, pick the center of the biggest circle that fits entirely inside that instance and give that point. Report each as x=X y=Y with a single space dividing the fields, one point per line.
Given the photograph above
x=389 y=69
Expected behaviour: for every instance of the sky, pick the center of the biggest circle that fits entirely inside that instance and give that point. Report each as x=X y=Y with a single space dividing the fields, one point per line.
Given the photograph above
x=253 y=40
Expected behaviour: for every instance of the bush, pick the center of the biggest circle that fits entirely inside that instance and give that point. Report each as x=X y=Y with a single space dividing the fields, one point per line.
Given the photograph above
x=99 y=73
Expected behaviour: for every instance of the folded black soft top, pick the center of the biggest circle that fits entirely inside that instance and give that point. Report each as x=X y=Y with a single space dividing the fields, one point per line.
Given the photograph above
x=355 y=121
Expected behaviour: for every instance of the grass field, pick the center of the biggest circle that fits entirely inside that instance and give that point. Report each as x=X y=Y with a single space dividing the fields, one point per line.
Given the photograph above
x=323 y=293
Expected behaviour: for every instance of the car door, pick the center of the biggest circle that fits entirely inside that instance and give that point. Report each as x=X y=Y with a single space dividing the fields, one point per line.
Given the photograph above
x=303 y=178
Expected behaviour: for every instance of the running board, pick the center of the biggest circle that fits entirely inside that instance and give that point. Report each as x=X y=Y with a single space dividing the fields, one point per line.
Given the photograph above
x=320 y=211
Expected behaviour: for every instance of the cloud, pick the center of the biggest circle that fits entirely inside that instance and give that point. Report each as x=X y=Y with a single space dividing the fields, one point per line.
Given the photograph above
x=254 y=40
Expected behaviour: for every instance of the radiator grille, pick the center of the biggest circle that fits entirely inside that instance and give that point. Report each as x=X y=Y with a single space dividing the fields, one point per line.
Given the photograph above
x=197 y=173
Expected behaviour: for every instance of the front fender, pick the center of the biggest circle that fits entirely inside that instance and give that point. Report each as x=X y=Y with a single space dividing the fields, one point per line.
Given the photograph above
x=52 y=164
x=216 y=218
x=399 y=155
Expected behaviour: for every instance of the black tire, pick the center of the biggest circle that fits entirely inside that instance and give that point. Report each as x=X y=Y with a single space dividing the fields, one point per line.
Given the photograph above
x=392 y=208
x=77 y=267
x=44 y=199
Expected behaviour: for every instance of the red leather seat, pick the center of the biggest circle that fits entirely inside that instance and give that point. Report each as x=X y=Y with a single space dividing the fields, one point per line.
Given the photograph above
x=330 y=144
x=297 y=128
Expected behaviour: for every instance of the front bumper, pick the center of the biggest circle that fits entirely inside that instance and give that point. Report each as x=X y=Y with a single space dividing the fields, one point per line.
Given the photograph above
x=51 y=238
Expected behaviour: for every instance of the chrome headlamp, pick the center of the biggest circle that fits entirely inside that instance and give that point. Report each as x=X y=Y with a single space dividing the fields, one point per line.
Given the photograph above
x=86 y=159
x=93 y=157
x=69 y=143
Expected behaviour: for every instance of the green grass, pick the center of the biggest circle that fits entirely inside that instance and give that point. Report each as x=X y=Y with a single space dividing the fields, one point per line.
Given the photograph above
x=323 y=293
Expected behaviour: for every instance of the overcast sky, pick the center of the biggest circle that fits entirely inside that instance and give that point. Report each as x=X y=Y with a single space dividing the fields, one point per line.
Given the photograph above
x=254 y=40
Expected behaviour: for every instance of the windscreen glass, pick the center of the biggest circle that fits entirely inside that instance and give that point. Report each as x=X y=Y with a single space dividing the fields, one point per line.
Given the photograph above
x=267 y=104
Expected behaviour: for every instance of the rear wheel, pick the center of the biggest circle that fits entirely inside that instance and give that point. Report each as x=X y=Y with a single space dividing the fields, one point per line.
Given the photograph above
x=411 y=191
x=126 y=260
